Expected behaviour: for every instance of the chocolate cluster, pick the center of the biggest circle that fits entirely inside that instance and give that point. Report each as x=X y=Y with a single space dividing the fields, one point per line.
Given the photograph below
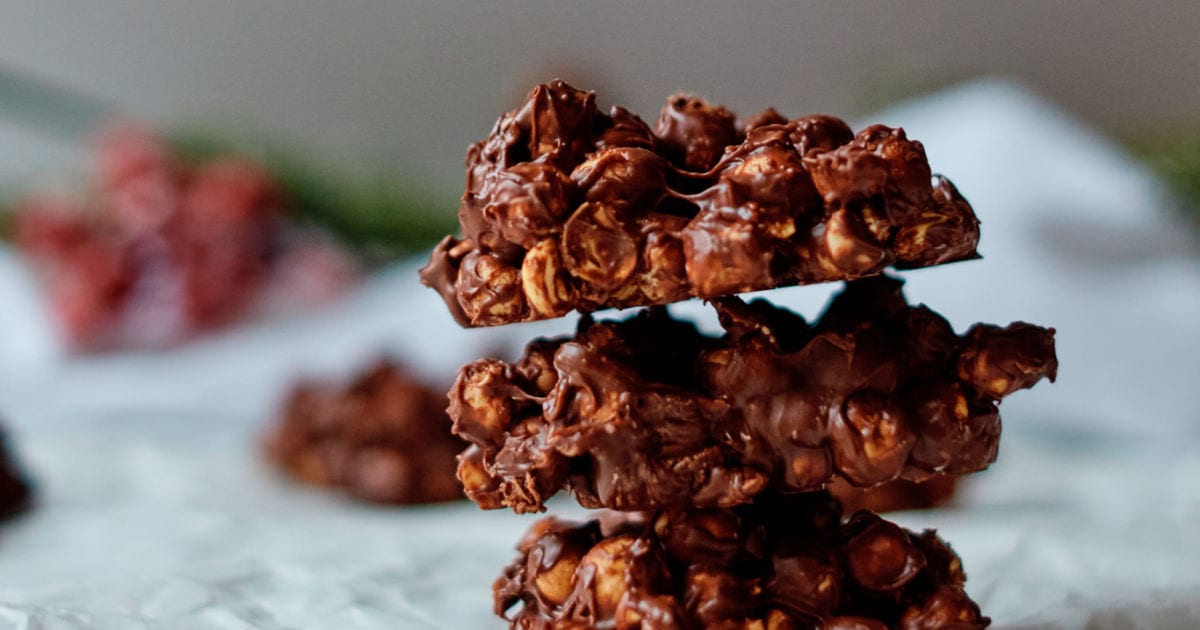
x=15 y=490
x=383 y=438
x=727 y=454
x=783 y=562
x=568 y=208
x=895 y=495
x=650 y=414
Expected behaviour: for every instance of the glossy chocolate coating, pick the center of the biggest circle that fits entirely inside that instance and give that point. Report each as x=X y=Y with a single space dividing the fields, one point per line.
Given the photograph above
x=567 y=208
x=896 y=495
x=383 y=438
x=15 y=490
x=783 y=562
x=650 y=414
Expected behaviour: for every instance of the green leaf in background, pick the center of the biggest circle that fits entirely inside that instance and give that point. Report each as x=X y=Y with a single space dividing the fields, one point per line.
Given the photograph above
x=380 y=214
x=6 y=223
x=1176 y=157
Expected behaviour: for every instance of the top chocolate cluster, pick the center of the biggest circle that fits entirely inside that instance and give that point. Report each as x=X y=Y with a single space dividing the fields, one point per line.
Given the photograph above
x=568 y=208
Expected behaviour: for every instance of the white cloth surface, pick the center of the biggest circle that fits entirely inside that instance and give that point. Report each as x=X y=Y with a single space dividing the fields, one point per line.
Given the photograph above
x=155 y=511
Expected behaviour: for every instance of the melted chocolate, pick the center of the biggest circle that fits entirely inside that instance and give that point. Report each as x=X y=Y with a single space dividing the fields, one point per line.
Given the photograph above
x=719 y=449
x=782 y=562
x=649 y=414
x=567 y=208
x=383 y=438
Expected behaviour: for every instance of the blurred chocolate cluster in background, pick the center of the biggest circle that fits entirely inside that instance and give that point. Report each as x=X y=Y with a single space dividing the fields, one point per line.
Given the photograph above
x=384 y=437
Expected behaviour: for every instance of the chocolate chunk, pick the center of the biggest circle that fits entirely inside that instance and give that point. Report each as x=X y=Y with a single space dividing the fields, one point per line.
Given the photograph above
x=650 y=414
x=526 y=202
x=1003 y=360
x=817 y=133
x=630 y=177
x=878 y=555
x=555 y=124
x=700 y=207
x=15 y=491
x=489 y=289
x=694 y=134
x=785 y=561
x=623 y=128
x=382 y=438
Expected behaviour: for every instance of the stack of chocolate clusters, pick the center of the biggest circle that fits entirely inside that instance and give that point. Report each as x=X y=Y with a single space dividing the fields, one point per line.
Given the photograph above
x=716 y=451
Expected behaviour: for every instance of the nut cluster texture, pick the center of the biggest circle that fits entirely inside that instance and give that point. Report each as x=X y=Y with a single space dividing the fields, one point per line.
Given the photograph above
x=724 y=461
x=383 y=438
x=650 y=414
x=568 y=208
x=781 y=563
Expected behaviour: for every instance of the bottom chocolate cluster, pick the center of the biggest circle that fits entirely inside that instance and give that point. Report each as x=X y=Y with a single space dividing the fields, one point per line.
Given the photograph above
x=783 y=562
x=383 y=438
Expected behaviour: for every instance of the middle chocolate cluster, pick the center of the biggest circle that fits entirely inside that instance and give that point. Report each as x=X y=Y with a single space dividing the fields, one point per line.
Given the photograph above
x=650 y=414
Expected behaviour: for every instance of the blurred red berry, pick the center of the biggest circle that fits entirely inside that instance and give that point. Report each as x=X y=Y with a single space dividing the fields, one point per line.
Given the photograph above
x=163 y=249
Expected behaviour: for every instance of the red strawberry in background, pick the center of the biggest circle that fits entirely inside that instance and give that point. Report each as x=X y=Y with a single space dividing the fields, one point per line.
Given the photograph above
x=87 y=271
x=161 y=248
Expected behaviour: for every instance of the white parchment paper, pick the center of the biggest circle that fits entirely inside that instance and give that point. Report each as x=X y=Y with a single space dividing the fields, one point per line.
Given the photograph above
x=155 y=511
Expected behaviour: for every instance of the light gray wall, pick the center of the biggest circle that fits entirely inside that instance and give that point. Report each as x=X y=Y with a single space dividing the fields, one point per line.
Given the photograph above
x=420 y=80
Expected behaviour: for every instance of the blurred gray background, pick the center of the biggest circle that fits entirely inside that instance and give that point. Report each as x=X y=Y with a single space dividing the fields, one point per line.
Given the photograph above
x=416 y=82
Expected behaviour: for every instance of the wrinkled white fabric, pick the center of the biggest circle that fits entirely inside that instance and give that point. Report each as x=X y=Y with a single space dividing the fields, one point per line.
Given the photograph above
x=155 y=511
